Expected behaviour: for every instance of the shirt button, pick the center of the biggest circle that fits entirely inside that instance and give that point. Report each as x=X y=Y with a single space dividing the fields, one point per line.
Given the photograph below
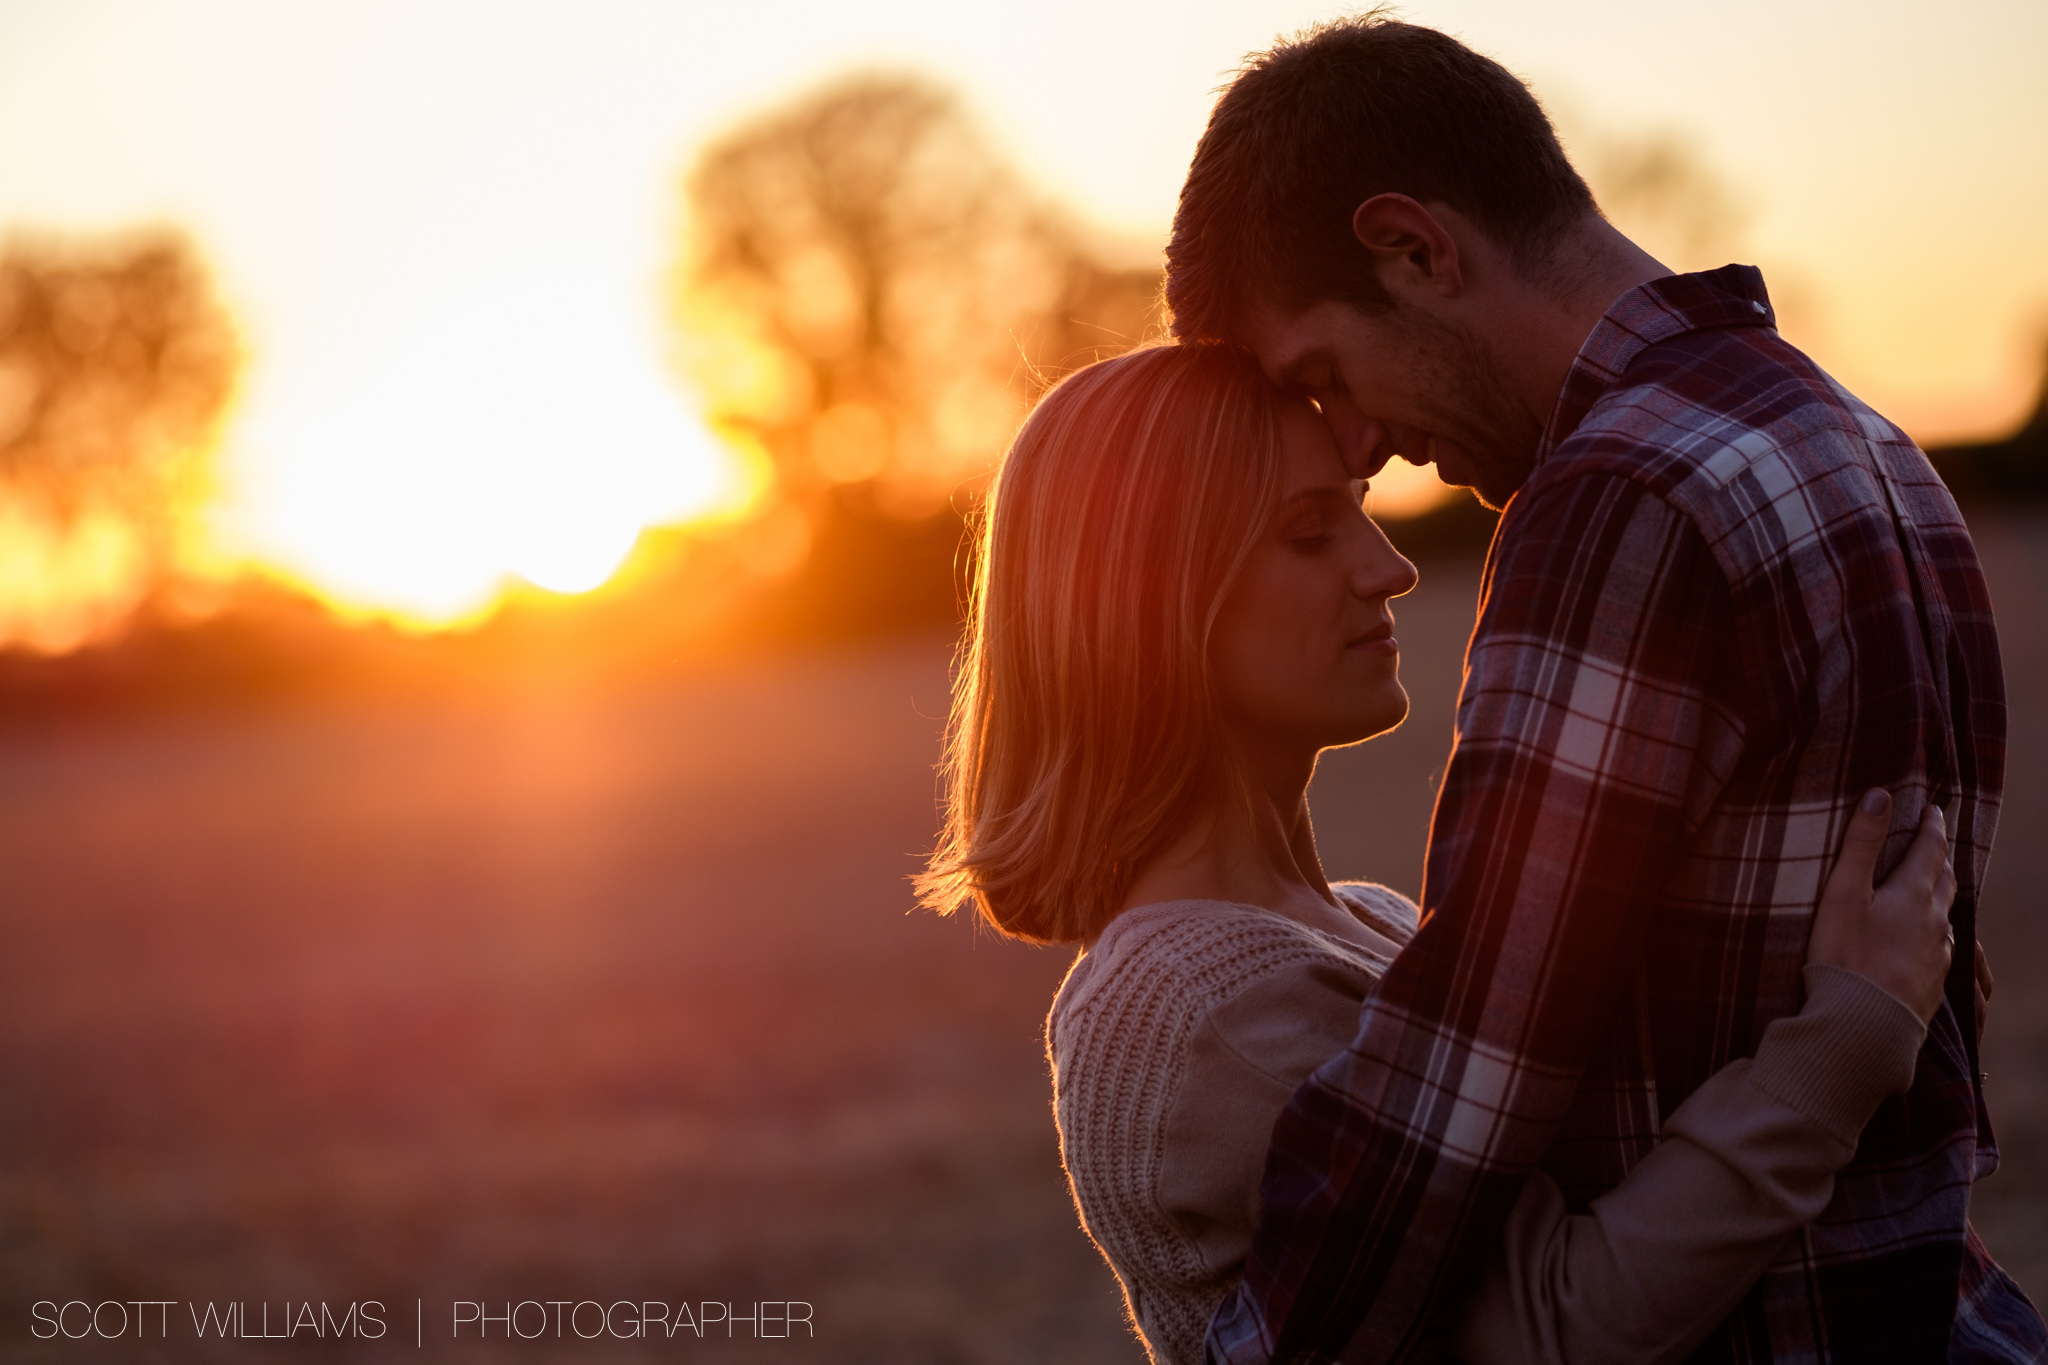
x=1759 y=307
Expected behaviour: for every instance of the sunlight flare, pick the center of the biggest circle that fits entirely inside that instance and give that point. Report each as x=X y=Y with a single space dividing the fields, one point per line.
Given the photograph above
x=519 y=429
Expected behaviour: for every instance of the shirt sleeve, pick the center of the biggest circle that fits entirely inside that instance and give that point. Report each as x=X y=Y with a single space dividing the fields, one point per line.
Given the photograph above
x=1589 y=727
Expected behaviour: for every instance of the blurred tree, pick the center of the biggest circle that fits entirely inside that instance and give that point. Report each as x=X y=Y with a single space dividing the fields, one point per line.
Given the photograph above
x=116 y=365
x=868 y=300
x=1656 y=185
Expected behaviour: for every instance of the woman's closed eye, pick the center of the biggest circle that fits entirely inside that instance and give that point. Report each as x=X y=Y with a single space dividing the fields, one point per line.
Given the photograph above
x=1306 y=530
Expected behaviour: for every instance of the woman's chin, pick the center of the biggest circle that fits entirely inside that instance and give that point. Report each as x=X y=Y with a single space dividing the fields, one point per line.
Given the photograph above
x=1371 y=723
x=1395 y=712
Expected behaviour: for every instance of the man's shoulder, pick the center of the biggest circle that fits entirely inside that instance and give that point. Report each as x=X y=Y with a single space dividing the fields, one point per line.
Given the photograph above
x=1748 y=439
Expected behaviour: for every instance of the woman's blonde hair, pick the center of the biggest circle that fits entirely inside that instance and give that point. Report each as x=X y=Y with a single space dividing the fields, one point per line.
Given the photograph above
x=1083 y=733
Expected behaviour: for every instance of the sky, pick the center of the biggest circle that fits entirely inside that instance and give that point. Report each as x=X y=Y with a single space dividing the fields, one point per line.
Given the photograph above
x=442 y=224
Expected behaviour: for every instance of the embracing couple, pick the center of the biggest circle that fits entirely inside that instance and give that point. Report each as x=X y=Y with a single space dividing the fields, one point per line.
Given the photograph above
x=1654 y=1072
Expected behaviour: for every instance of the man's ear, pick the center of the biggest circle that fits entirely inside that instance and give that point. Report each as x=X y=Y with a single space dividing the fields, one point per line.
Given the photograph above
x=1412 y=251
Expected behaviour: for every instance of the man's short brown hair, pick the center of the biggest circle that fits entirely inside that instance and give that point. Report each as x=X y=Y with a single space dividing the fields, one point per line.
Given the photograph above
x=1323 y=122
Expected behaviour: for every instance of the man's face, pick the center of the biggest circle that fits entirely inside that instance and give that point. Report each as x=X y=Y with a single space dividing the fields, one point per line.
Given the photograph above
x=1402 y=383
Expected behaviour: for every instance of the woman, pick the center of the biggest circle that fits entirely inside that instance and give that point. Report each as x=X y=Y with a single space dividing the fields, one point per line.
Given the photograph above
x=1180 y=602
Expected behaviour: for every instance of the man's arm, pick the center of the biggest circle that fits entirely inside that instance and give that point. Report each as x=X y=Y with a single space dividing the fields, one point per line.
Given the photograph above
x=1589 y=727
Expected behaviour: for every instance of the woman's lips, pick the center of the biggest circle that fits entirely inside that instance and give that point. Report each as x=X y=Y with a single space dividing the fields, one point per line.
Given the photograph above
x=1376 y=642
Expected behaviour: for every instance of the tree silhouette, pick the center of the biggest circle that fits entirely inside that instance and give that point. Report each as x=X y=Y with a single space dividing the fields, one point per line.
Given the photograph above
x=870 y=295
x=116 y=365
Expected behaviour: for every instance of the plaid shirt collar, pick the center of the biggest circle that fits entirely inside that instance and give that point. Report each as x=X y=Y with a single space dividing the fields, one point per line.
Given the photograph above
x=1732 y=296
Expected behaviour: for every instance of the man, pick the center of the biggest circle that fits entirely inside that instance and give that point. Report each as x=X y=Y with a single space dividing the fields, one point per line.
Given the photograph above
x=1724 y=599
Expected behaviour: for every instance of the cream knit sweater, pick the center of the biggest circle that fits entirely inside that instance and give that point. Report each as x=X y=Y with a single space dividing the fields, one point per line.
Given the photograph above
x=1179 y=1036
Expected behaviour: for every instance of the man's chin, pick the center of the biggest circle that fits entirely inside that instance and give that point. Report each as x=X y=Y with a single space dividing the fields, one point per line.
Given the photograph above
x=1491 y=484
x=1457 y=470
x=1492 y=497
x=1460 y=474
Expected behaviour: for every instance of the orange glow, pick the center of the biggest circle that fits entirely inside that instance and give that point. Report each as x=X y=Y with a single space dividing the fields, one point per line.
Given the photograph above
x=62 y=586
x=1401 y=490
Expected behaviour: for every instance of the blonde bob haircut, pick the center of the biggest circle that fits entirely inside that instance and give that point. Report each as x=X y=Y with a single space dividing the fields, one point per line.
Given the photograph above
x=1084 y=734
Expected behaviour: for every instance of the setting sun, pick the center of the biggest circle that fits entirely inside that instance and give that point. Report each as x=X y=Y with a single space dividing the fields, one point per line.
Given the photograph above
x=515 y=428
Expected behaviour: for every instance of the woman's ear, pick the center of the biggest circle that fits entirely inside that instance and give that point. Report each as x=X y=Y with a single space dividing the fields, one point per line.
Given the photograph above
x=1412 y=251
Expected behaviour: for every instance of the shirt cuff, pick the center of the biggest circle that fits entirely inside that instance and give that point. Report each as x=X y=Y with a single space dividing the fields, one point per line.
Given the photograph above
x=1853 y=1045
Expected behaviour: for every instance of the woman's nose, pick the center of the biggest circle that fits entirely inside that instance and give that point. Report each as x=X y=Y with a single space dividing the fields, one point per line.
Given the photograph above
x=1382 y=570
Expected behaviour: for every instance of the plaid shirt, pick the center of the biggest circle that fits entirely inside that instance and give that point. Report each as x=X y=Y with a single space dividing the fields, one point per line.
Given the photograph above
x=1699 y=642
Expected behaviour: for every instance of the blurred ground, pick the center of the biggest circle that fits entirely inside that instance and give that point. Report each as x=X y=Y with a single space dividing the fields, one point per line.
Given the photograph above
x=619 y=996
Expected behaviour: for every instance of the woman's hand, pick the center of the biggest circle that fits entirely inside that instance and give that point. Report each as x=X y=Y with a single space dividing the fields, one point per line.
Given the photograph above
x=1898 y=935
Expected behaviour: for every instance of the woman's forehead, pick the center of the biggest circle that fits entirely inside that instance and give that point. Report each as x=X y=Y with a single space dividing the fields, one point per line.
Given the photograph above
x=1309 y=458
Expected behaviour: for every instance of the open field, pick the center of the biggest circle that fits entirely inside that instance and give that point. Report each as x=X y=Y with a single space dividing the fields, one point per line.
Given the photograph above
x=619 y=996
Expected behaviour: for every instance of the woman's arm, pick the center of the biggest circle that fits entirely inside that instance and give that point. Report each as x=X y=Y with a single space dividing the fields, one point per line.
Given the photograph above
x=1747 y=1159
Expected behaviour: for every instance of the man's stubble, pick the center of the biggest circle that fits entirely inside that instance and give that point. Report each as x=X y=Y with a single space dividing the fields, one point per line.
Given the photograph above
x=1463 y=395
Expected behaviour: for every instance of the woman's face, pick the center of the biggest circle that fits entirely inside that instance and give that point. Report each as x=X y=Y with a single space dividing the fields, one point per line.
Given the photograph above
x=1303 y=651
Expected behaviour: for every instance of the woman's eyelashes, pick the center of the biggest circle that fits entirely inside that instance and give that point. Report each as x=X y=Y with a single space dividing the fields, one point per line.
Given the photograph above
x=1312 y=520
x=1306 y=529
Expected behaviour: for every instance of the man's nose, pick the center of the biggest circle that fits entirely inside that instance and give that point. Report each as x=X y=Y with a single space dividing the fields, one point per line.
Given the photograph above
x=1361 y=440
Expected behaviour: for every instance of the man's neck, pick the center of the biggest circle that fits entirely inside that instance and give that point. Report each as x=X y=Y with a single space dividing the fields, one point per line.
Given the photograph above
x=1539 y=326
